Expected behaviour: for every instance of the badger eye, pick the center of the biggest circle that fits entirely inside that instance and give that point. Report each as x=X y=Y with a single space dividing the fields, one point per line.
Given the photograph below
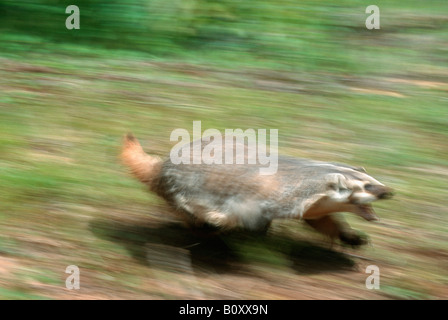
x=332 y=186
x=368 y=186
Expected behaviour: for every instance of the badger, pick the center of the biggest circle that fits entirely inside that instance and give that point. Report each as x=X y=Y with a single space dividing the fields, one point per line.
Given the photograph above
x=236 y=196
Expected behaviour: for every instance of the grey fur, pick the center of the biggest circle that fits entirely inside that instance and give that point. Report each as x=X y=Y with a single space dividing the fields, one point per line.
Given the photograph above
x=229 y=195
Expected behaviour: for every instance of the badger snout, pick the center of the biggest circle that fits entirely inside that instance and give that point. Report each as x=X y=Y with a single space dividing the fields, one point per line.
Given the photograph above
x=379 y=191
x=371 y=193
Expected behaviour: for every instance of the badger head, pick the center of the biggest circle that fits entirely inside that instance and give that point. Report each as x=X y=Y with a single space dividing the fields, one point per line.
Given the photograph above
x=346 y=189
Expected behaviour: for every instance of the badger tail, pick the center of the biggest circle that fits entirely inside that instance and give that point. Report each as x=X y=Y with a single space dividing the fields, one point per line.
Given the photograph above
x=143 y=166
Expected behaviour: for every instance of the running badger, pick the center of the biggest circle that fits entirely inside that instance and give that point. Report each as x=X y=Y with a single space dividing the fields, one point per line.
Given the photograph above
x=228 y=196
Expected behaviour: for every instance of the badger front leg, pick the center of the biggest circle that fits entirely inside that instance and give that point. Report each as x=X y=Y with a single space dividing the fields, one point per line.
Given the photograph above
x=336 y=227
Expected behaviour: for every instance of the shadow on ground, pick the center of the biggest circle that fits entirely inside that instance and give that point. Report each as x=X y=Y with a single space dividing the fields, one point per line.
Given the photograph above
x=172 y=246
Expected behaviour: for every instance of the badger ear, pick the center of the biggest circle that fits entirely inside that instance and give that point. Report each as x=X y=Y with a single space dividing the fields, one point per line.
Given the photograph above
x=337 y=187
x=335 y=181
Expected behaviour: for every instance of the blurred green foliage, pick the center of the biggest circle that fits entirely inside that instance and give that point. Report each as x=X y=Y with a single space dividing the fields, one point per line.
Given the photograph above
x=306 y=34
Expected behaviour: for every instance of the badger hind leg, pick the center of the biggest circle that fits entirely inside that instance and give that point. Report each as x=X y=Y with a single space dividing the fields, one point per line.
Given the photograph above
x=205 y=222
x=218 y=219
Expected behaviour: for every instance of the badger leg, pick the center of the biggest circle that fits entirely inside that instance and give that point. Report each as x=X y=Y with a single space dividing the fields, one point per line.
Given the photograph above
x=206 y=222
x=336 y=227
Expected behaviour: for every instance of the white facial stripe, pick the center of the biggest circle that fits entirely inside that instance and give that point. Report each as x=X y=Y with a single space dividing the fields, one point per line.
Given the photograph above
x=376 y=181
x=363 y=197
x=357 y=183
x=341 y=196
x=367 y=178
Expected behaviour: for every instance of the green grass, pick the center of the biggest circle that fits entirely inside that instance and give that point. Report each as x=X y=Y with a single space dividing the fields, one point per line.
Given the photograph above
x=18 y=294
